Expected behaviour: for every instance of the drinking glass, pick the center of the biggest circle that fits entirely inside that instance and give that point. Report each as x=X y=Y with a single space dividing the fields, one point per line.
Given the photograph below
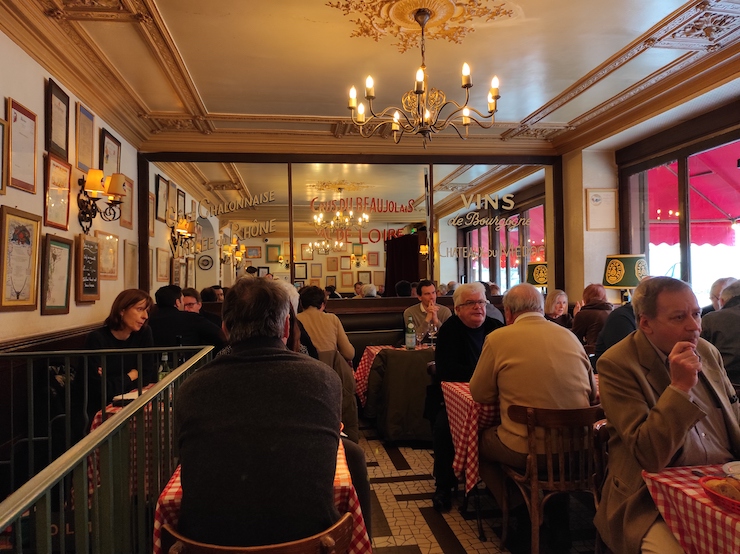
x=432 y=332
x=420 y=334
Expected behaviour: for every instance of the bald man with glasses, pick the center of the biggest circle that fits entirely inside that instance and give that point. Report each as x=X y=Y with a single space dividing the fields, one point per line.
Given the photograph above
x=459 y=344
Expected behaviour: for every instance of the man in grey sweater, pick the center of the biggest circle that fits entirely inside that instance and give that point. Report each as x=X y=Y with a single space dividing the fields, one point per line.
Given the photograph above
x=258 y=431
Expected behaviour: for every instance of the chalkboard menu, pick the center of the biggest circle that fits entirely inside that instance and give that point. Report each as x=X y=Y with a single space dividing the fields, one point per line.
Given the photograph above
x=87 y=269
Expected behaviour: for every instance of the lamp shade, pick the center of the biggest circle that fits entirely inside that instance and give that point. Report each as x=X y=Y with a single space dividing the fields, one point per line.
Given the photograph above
x=537 y=275
x=117 y=185
x=624 y=271
x=94 y=181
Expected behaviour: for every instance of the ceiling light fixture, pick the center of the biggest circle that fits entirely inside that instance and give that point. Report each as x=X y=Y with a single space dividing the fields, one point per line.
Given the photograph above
x=422 y=106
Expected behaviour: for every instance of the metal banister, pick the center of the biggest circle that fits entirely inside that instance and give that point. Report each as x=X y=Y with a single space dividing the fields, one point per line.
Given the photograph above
x=115 y=494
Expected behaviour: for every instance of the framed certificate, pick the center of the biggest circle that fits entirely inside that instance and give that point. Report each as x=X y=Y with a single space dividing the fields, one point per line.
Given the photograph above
x=22 y=147
x=57 y=176
x=57 y=121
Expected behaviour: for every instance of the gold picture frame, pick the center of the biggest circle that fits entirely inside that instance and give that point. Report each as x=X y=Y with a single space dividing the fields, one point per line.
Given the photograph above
x=19 y=254
x=108 y=270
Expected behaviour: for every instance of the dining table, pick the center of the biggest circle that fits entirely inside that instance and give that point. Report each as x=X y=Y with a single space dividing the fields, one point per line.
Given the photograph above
x=467 y=419
x=345 y=499
x=700 y=525
x=362 y=372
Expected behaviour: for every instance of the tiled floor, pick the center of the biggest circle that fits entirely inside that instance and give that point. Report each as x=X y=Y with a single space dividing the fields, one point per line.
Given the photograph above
x=404 y=521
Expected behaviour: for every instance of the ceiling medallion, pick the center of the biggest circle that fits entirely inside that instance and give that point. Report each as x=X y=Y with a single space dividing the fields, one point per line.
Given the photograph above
x=396 y=17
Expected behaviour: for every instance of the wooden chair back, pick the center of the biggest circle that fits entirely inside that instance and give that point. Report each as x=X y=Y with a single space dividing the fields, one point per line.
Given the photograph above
x=567 y=463
x=334 y=540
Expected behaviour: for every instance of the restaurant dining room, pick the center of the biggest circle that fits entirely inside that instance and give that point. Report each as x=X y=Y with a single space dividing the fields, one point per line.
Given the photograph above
x=362 y=277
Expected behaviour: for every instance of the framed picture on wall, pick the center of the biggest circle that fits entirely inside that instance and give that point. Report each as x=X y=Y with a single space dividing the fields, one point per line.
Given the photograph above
x=601 y=209
x=20 y=250
x=152 y=212
x=373 y=259
x=4 y=150
x=379 y=277
x=332 y=263
x=180 y=204
x=127 y=205
x=316 y=271
x=22 y=160
x=331 y=280
x=171 y=202
x=357 y=249
x=108 y=255
x=57 y=175
x=299 y=284
x=110 y=153
x=253 y=252
x=262 y=271
x=347 y=279
x=163 y=265
x=84 y=132
x=175 y=272
x=130 y=265
x=87 y=266
x=57 y=121
x=163 y=187
x=56 y=275
x=301 y=271
x=345 y=262
x=364 y=277
x=315 y=282
x=273 y=253
x=306 y=252
x=190 y=272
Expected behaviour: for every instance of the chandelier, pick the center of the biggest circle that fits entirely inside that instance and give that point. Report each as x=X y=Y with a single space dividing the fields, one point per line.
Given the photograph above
x=341 y=220
x=422 y=106
x=324 y=247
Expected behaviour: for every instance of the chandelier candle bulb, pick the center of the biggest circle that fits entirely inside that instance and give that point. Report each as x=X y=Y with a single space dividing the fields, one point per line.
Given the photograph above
x=494 y=88
x=369 y=88
x=419 y=84
x=361 y=113
x=466 y=116
x=352 y=98
x=395 y=126
x=467 y=80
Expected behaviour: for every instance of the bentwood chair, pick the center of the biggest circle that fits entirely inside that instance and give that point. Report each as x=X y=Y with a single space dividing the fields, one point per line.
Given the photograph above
x=335 y=540
x=601 y=451
x=567 y=464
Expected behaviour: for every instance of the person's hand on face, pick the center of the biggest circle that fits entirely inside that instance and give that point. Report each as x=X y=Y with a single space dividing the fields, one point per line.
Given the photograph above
x=684 y=365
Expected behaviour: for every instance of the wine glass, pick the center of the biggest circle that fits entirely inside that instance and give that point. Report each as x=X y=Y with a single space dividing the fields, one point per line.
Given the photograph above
x=420 y=334
x=432 y=332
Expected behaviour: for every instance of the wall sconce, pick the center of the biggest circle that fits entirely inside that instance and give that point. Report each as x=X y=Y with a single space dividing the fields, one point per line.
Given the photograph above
x=91 y=187
x=284 y=262
x=424 y=251
x=182 y=232
x=226 y=253
x=358 y=261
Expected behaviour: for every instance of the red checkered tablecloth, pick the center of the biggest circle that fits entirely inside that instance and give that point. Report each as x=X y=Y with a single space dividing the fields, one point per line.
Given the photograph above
x=467 y=418
x=345 y=499
x=700 y=525
x=362 y=373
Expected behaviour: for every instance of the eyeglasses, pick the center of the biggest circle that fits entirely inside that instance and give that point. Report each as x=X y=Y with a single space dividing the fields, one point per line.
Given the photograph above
x=470 y=303
x=191 y=304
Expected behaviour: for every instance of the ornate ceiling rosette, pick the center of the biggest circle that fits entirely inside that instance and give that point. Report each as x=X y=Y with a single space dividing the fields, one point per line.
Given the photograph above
x=448 y=20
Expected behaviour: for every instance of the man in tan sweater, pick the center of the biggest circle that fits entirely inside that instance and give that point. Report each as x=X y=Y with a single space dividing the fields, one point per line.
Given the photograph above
x=325 y=329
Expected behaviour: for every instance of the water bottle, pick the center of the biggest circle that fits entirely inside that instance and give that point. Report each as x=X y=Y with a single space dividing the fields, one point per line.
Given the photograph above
x=164 y=366
x=410 y=334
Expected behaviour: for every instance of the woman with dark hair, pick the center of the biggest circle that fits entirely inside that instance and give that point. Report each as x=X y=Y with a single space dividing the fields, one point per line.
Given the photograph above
x=590 y=314
x=125 y=327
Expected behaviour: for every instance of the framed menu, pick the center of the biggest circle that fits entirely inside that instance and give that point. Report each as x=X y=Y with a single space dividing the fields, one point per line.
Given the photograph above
x=87 y=269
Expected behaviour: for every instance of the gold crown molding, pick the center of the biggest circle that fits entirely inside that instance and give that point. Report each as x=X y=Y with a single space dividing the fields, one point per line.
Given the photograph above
x=669 y=27
x=335 y=186
x=378 y=18
x=709 y=73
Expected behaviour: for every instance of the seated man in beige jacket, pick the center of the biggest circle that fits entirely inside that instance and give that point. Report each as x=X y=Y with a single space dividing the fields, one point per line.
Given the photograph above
x=668 y=402
x=325 y=330
x=531 y=362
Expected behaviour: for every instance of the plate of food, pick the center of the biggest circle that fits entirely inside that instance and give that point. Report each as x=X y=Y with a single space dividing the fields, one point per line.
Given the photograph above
x=731 y=468
x=723 y=491
x=123 y=399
